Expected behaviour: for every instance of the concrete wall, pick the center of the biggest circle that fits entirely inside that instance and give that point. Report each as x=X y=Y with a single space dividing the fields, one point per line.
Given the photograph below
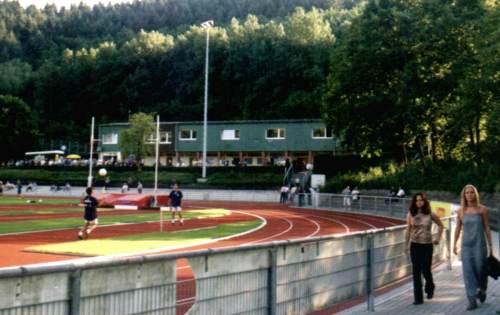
x=36 y=294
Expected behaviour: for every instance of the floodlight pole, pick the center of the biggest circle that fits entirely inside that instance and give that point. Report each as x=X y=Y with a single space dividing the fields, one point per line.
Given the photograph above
x=89 y=180
x=157 y=159
x=206 y=25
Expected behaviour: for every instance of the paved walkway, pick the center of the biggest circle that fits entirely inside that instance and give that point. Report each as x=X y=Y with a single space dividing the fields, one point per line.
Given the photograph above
x=449 y=298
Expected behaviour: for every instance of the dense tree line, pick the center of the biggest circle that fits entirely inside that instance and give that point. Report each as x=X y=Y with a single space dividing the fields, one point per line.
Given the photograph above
x=270 y=60
x=408 y=80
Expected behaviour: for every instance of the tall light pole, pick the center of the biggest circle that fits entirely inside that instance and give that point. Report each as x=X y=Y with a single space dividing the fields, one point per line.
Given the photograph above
x=206 y=25
x=89 y=179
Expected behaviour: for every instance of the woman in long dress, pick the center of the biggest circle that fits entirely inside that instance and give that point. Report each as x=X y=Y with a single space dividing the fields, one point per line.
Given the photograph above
x=472 y=218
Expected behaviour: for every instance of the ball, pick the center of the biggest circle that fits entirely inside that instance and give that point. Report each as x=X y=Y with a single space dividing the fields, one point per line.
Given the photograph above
x=103 y=172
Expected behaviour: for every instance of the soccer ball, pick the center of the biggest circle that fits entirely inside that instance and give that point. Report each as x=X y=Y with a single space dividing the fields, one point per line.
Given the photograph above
x=103 y=172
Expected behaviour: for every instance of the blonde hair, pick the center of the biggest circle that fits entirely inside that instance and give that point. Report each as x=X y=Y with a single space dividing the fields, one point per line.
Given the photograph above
x=463 y=201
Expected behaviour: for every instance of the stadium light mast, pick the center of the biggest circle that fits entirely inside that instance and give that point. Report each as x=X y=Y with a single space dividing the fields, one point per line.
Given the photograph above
x=89 y=179
x=207 y=25
x=157 y=158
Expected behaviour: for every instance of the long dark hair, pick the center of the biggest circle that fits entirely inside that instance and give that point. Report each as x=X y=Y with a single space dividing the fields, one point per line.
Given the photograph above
x=426 y=209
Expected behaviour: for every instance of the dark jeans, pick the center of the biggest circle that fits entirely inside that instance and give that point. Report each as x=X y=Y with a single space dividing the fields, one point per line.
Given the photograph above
x=421 y=260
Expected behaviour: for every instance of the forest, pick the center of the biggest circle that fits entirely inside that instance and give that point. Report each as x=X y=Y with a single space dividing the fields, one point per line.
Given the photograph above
x=411 y=81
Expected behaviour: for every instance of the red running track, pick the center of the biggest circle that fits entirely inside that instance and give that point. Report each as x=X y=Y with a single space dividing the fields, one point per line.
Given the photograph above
x=283 y=223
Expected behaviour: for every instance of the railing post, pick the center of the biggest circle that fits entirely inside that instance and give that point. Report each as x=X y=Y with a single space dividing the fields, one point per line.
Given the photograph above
x=498 y=232
x=449 y=242
x=272 y=281
x=74 y=294
x=370 y=281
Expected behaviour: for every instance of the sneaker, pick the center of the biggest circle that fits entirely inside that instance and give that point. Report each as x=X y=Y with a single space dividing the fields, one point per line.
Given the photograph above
x=418 y=302
x=80 y=235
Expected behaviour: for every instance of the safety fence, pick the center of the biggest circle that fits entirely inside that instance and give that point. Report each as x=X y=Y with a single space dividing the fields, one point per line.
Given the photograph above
x=284 y=277
x=386 y=206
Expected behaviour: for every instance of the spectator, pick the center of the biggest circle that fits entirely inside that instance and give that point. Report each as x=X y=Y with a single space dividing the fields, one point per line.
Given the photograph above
x=1 y=188
x=107 y=181
x=19 y=187
x=293 y=192
x=139 y=187
x=9 y=186
x=284 y=194
x=347 y=196
x=124 y=188
x=401 y=193
x=355 y=194
x=29 y=188
x=67 y=187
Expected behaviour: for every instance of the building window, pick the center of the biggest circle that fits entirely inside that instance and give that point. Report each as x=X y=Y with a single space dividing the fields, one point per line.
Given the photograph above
x=165 y=137
x=187 y=134
x=110 y=138
x=322 y=133
x=230 y=134
x=275 y=133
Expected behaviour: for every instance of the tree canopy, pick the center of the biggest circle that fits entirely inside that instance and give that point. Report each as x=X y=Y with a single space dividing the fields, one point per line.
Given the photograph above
x=133 y=140
x=403 y=80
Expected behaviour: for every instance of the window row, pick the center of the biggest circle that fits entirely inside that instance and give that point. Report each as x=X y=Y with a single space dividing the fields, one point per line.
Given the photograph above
x=226 y=134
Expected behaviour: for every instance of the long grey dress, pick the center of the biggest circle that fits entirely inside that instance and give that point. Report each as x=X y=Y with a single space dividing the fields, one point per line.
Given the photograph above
x=474 y=253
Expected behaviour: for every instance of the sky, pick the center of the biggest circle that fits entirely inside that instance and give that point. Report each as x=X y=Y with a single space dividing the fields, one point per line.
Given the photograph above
x=66 y=3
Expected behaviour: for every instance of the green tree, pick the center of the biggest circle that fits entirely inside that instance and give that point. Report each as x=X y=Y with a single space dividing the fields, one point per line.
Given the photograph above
x=14 y=75
x=397 y=74
x=17 y=127
x=133 y=140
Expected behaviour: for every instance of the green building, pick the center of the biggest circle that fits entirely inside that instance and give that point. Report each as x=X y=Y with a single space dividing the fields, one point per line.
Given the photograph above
x=248 y=142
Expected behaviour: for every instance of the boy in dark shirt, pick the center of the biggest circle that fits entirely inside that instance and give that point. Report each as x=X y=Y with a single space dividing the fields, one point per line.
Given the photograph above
x=175 y=203
x=90 y=216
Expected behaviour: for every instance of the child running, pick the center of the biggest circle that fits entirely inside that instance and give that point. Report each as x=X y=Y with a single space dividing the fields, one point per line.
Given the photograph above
x=175 y=204
x=90 y=216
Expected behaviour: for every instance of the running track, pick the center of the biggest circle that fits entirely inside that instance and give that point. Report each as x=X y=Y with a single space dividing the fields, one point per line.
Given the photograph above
x=283 y=223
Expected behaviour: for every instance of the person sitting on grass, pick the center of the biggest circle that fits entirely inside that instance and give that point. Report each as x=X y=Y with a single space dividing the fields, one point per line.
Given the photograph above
x=90 y=216
x=175 y=201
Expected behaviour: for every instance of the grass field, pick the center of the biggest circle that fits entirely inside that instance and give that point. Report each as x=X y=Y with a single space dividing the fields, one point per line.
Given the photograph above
x=146 y=241
x=39 y=201
x=7 y=213
x=67 y=223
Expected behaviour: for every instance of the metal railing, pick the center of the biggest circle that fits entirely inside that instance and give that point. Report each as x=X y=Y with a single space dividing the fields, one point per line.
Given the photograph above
x=284 y=277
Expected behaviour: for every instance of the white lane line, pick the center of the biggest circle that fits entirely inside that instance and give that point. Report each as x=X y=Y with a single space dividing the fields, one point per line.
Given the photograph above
x=318 y=228
x=371 y=218
x=359 y=221
x=345 y=226
x=290 y=226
